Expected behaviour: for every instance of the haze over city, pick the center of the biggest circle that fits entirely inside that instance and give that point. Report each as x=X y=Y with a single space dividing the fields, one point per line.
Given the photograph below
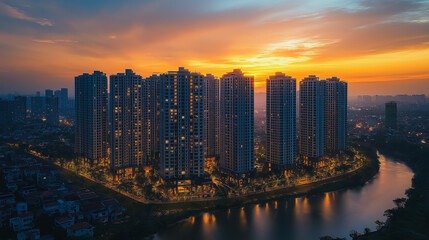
x=379 y=47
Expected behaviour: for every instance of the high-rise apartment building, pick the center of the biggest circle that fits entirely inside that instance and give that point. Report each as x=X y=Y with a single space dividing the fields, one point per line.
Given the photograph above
x=151 y=115
x=127 y=126
x=281 y=120
x=19 y=109
x=335 y=115
x=49 y=93
x=91 y=117
x=236 y=121
x=52 y=115
x=181 y=124
x=312 y=117
x=64 y=100
x=4 y=112
x=391 y=114
x=57 y=93
x=211 y=115
x=37 y=107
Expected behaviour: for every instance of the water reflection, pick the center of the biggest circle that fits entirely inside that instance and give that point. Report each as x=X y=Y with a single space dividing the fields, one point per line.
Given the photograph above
x=243 y=217
x=327 y=211
x=333 y=213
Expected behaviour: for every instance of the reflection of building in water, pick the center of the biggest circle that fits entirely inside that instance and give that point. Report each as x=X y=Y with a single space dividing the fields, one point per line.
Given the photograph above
x=243 y=217
x=327 y=206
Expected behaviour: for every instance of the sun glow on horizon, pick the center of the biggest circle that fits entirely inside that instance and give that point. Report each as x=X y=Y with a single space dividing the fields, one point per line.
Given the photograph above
x=363 y=42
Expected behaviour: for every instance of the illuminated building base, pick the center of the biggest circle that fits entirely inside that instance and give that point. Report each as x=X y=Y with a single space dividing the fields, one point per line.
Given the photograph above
x=118 y=174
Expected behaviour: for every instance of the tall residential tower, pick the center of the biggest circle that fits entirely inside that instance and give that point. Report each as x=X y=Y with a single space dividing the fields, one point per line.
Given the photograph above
x=211 y=115
x=127 y=122
x=312 y=118
x=151 y=115
x=391 y=115
x=336 y=115
x=91 y=117
x=181 y=124
x=236 y=117
x=52 y=114
x=281 y=120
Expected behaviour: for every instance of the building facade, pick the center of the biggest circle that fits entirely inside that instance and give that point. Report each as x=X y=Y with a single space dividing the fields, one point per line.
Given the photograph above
x=312 y=117
x=211 y=115
x=64 y=100
x=37 y=107
x=335 y=115
x=236 y=121
x=52 y=115
x=151 y=115
x=281 y=120
x=91 y=122
x=181 y=124
x=19 y=109
x=391 y=115
x=4 y=112
x=49 y=93
x=127 y=126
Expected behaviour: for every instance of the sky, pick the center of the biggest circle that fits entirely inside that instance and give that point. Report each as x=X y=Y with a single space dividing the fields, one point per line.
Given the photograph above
x=378 y=46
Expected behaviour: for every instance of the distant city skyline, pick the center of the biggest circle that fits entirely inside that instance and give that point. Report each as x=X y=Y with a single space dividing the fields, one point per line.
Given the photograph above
x=372 y=88
x=381 y=44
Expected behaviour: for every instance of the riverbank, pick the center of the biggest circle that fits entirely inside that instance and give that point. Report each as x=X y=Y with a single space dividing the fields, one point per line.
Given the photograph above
x=410 y=218
x=147 y=219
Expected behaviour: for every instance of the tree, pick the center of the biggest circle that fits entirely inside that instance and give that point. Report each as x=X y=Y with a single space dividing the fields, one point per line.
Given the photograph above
x=326 y=238
x=410 y=192
x=366 y=231
x=354 y=234
x=389 y=213
x=379 y=224
x=400 y=202
x=331 y=238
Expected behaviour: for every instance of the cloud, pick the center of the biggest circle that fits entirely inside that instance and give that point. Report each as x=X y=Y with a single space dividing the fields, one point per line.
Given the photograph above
x=18 y=14
x=298 y=37
x=50 y=41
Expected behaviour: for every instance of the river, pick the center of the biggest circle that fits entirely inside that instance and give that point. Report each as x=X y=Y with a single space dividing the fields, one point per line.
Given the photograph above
x=333 y=213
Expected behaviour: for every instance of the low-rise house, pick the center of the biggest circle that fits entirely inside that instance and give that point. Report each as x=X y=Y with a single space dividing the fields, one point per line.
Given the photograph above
x=12 y=186
x=82 y=229
x=47 y=176
x=32 y=234
x=51 y=207
x=96 y=212
x=115 y=210
x=21 y=208
x=48 y=196
x=64 y=222
x=87 y=196
x=28 y=190
x=33 y=200
x=30 y=173
x=12 y=174
x=68 y=206
x=7 y=199
x=77 y=216
x=5 y=214
x=22 y=222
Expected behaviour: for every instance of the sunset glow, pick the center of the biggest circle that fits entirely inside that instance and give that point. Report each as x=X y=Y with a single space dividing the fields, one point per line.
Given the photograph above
x=44 y=44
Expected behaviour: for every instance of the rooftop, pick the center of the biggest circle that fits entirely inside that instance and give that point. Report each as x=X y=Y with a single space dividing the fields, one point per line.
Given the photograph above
x=80 y=226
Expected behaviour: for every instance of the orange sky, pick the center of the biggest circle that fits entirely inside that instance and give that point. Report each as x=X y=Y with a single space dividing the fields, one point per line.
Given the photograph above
x=385 y=43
